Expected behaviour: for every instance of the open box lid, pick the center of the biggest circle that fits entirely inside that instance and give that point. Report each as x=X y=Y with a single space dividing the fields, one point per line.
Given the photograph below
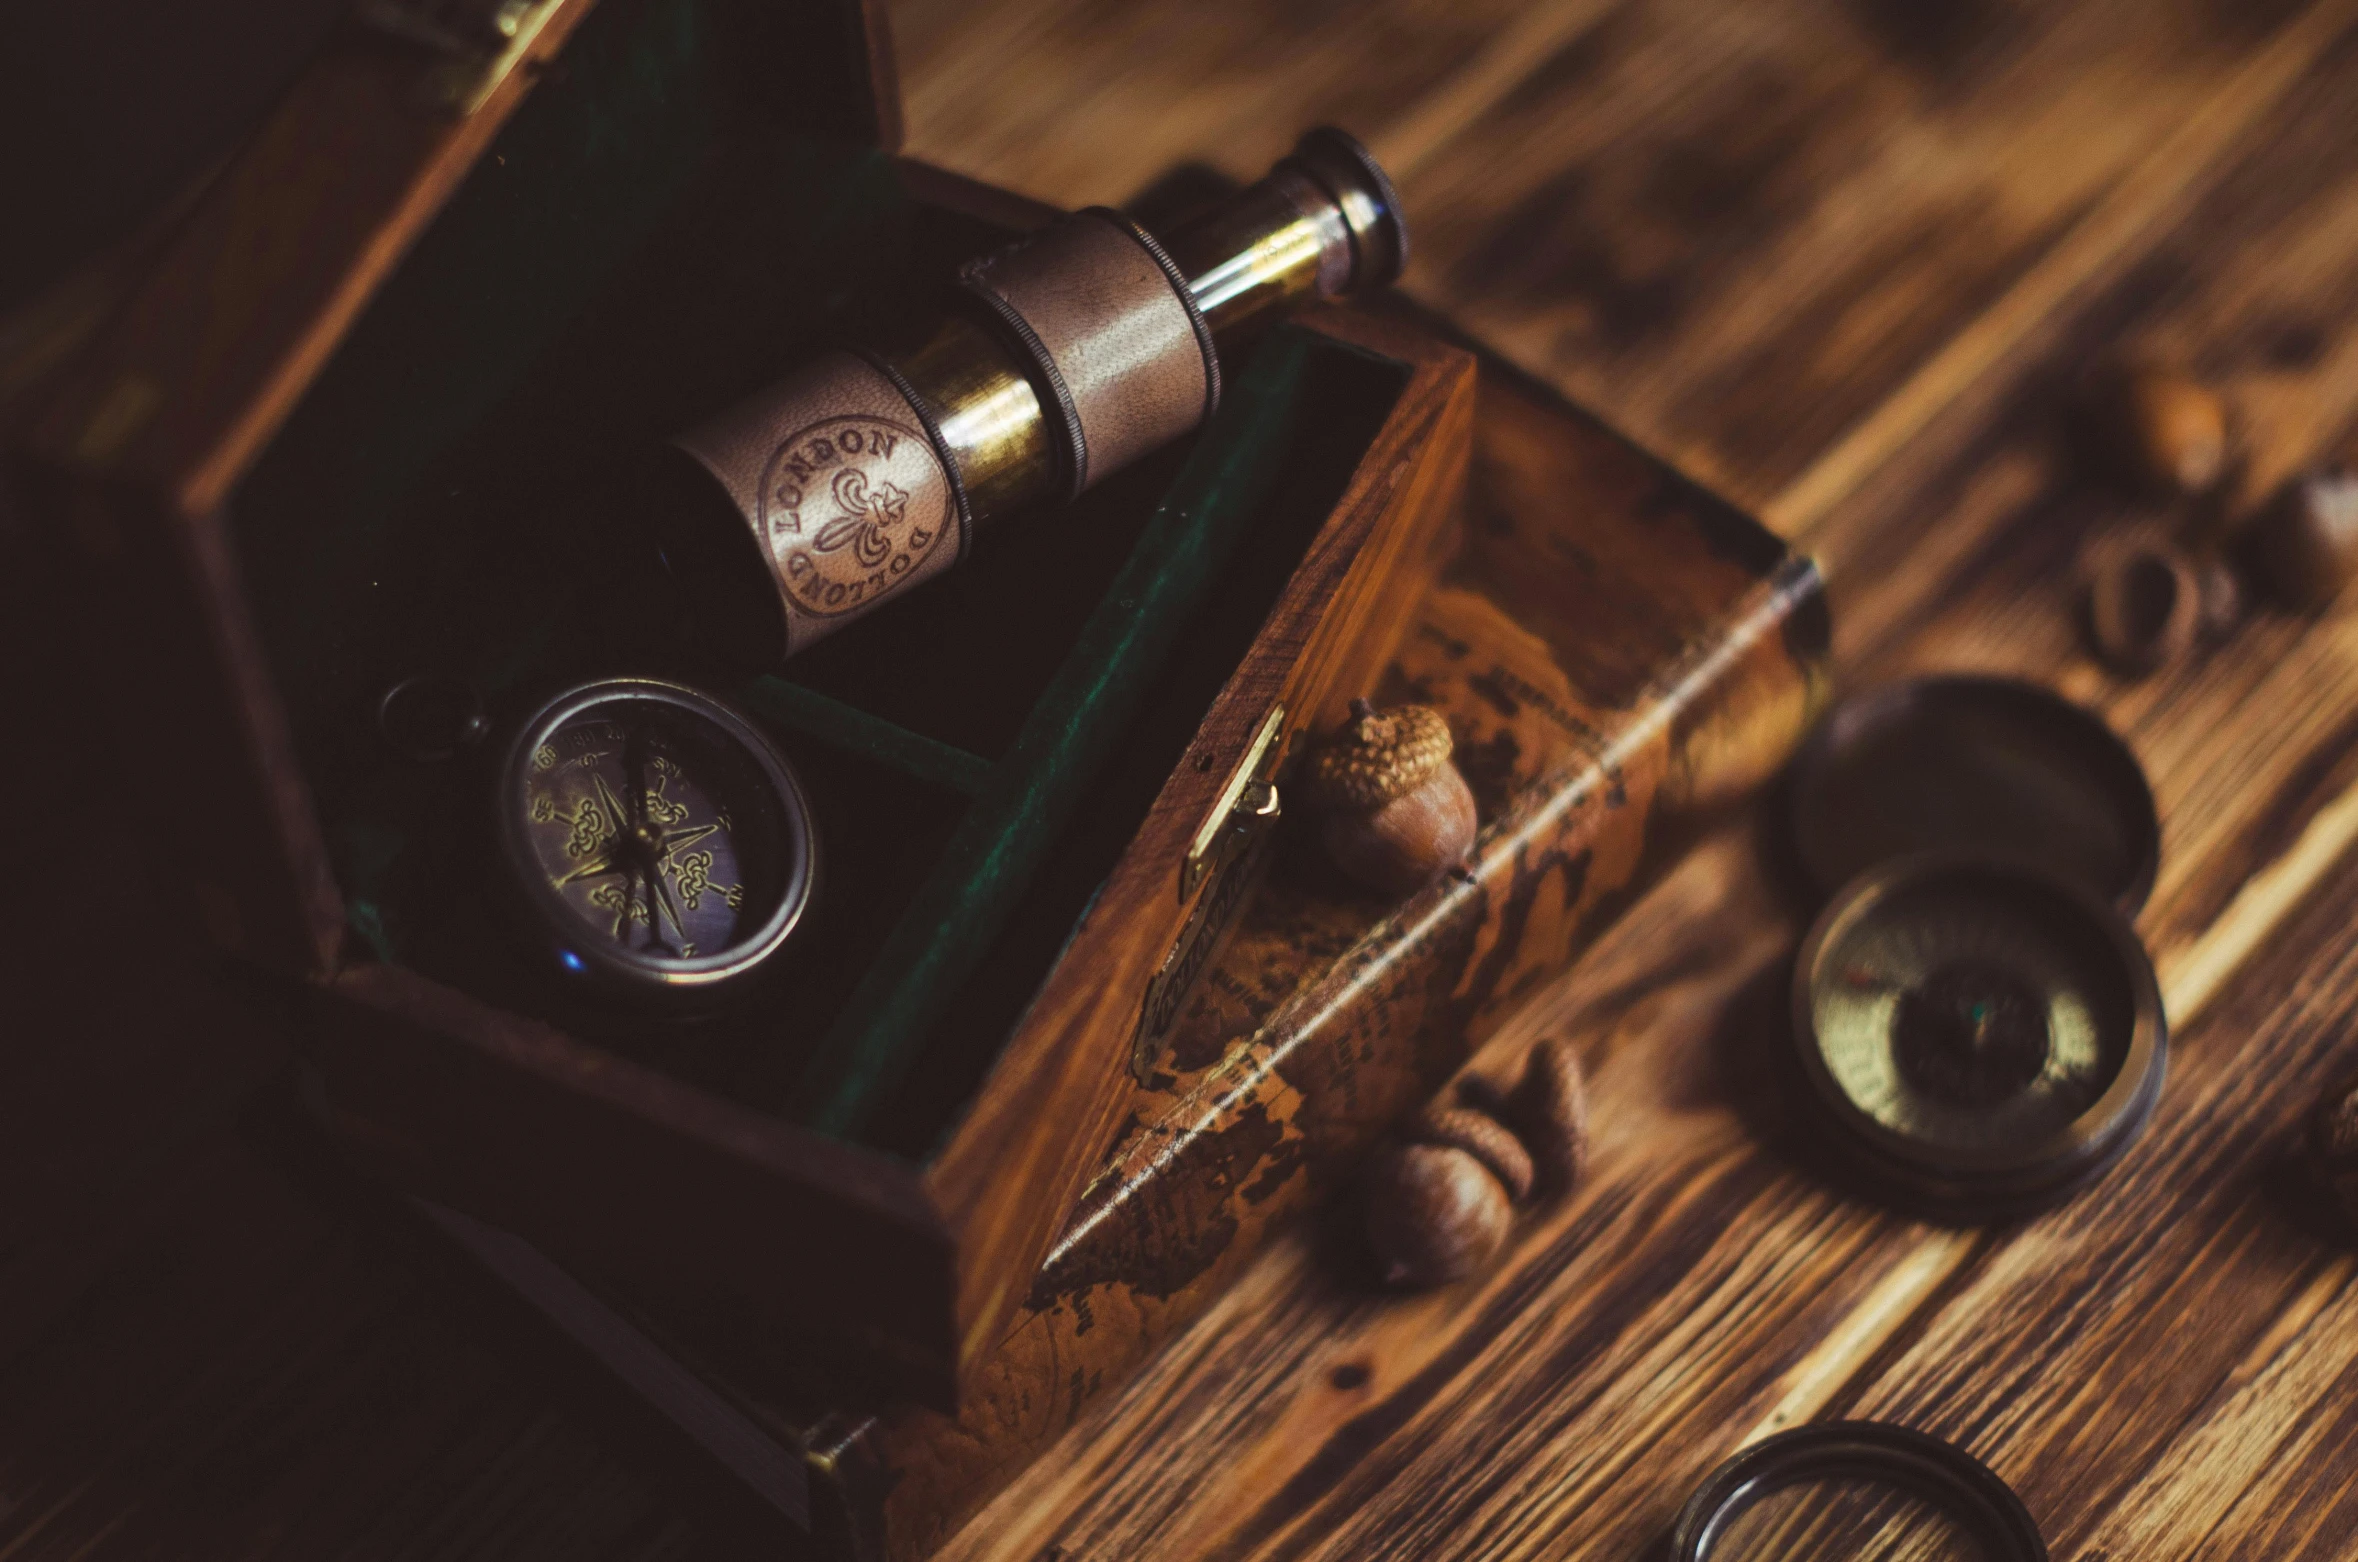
x=195 y=350
x=659 y=1190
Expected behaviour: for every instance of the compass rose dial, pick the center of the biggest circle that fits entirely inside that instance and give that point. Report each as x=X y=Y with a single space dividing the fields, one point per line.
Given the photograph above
x=660 y=837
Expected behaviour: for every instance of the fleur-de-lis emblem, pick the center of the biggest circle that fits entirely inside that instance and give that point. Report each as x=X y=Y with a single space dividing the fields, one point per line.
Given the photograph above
x=590 y=830
x=693 y=870
x=866 y=514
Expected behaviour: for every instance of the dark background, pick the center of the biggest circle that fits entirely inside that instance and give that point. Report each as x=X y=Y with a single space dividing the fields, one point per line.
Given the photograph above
x=109 y=108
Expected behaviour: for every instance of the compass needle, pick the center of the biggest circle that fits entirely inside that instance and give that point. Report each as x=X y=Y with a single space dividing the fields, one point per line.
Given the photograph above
x=674 y=840
x=598 y=868
x=661 y=897
x=613 y=805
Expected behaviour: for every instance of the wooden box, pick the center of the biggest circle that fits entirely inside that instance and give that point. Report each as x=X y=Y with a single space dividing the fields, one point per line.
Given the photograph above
x=365 y=411
x=1620 y=654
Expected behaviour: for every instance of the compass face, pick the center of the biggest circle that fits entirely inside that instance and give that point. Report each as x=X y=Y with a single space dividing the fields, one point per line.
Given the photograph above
x=1985 y=1026
x=661 y=839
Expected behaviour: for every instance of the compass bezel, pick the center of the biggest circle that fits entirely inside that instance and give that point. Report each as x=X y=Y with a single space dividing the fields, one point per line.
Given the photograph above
x=1994 y=1182
x=670 y=980
x=1931 y=1468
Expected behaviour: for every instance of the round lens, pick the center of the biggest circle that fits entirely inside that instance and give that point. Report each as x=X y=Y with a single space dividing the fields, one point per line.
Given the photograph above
x=1984 y=1035
x=1963 y=1018
x=1855 y=1491
x=652 y=830
x=1856 y=1518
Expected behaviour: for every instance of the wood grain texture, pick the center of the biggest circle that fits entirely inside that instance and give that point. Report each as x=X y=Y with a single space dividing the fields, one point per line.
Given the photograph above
x=1716 y=1288
x=1743 y=229
x=1843 y=258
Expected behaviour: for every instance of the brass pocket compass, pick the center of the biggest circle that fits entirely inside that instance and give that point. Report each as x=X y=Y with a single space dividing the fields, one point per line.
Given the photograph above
x=660 y=841
x=1978 y=1027
x=1981 y=1036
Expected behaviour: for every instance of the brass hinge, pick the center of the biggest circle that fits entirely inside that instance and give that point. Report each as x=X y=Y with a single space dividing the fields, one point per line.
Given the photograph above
x=475 y=44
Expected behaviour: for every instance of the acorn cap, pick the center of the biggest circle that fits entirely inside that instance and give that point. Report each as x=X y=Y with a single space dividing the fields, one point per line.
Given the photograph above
x=1550 y=1107
x=1484 y=1138
x=1378 y=756
x=2145 y=604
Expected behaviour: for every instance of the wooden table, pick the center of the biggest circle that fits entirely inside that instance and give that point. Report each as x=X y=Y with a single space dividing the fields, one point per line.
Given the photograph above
x=1841 y=258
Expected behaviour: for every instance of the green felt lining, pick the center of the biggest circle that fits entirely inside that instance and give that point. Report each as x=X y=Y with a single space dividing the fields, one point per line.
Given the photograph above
x=797 y=709
x=990 y=861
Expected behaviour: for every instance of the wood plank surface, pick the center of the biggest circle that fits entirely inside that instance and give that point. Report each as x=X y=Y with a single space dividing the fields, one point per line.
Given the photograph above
x=1705 y=1287
x=1843 y=258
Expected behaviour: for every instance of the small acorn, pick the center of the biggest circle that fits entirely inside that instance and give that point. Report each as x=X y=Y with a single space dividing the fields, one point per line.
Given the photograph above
x=1397 y=811
x=2146 y=602
x=1550 y=1109
x=2168 y=431
x=2332 y=1145
x=2307 y=541
x=1435 y=1214
x=1439 y=1207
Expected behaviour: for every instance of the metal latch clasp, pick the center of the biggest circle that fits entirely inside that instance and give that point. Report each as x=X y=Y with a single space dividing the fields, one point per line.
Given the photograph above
x=1224 y=861
x=1246 y=808
x=476 y=43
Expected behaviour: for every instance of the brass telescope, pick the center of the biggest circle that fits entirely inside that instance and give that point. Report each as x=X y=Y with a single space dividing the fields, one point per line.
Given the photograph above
x=1070 y=354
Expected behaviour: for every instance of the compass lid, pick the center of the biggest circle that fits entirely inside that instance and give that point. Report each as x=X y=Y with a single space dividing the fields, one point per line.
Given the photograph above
x=1993 y=764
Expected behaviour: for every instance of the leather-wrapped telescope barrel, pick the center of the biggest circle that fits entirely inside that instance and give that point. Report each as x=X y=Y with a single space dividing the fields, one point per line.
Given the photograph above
x=1075 y=351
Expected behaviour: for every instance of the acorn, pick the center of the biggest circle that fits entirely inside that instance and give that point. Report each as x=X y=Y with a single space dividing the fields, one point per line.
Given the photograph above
x=1439 y=1207
x=1435 y=1214
x=1550 y=1109
x=2168 y=431
x=1397 y=811
x=2307 y=541
x=2146 y=605
x=2332 y=1145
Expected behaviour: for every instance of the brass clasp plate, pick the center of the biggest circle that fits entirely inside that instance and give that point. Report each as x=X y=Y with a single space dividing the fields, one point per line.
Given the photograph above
x=1224 y=861
x=1246 y=807
x=475 y=43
